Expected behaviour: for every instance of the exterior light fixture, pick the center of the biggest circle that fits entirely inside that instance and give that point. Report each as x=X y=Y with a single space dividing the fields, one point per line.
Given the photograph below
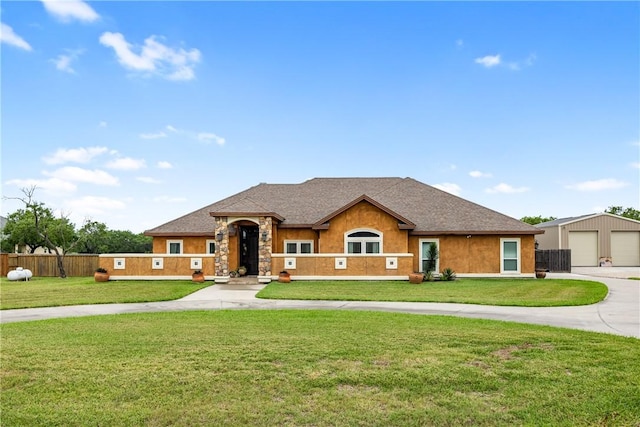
x=265 y=236
x=219 y=236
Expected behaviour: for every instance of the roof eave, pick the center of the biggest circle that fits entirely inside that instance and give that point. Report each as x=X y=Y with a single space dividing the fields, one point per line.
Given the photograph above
x=248 y=214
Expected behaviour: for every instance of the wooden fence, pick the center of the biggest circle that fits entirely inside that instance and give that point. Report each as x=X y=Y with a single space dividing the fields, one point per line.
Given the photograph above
x=554 y=260
x=42 y=265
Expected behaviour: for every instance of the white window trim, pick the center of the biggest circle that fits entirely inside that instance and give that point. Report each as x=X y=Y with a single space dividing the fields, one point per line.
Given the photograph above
x=502 y=242
x=169 y=242
x=363 y=240
x=208 y=244
x=422 y=254
x=298 y=243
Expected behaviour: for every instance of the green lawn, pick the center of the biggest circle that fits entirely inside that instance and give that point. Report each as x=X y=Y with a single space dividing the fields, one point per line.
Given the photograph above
x=53 y=291
x=314 y=368
x=514 y=292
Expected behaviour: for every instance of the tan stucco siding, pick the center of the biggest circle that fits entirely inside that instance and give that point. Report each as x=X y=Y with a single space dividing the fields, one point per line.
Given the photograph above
x=190 y=245
x=295 y=234
x=355 y=266
x=363 y=215
x=141 y=265
x=474 y=255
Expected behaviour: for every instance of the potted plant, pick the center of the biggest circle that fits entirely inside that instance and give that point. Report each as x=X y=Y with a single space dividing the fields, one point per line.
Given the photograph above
x=416 y=277
x=541 y=273
x=101 y=275
x=284 y=277
x=242 y=270
x=197 y=276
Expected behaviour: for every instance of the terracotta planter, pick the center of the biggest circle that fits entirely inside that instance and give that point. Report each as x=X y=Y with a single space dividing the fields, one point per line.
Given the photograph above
x=416 y=278
x=541 y=274
x=242 y=271
x=101 y=277
x=284 y=278
x=199 y=278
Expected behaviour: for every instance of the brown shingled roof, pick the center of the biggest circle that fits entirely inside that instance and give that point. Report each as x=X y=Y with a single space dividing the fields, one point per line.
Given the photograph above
x=426 y=209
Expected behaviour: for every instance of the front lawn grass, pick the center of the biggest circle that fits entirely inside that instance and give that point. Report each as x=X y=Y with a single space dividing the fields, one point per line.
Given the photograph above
x=500 y=291
x=53 y=291
x=314 y=368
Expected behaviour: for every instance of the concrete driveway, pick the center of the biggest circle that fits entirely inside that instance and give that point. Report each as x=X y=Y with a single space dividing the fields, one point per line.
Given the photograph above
x=618 y=314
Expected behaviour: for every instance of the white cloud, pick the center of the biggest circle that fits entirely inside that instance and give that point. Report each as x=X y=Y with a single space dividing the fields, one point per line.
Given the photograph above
x=167 y=199
x=495 y=60
x=478 y=174
x=91 y=205
x=459 y=43
x=164 y=165
x=449 y=188
x=154 y=57
x=209 y=137
x=171 y=128
x=76 y=155
x=148 y=180
x=489 y=60
x=507 y=189
x=153 y=135
x=102 y=124
x=635 y=165
x=598 y=185
x=63 y=61
x=51 y=185
x=9 y=37
x=127 y=163
x=68 y=10
x=76 y=174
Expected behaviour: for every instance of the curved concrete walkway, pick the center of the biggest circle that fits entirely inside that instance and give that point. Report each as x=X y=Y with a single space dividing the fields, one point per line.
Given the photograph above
x=618 y=314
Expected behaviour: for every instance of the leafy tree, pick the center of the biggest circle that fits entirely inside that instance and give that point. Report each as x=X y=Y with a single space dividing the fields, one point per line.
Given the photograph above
x=95 y=236
x=57 y=234
x=124 y=241
x=20 y=231
x=625 y=212
x=533 y=220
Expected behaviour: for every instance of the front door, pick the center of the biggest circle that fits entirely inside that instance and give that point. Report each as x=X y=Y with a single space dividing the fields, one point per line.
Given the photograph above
x=249 y=249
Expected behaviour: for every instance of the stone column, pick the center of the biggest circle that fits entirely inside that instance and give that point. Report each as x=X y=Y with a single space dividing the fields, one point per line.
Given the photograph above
x=265 y=248
x=222 y=247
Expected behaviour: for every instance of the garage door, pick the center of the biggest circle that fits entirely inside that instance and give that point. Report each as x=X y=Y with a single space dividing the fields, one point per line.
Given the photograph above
x=584 y=248
x=625 y=248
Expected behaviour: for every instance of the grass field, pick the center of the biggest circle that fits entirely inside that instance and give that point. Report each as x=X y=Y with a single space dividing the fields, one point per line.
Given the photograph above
x=320 y=368
x=53 y=291
x=502 y=291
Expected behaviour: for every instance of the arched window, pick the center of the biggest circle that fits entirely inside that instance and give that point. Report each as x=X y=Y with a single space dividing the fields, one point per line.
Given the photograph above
x=363 y=242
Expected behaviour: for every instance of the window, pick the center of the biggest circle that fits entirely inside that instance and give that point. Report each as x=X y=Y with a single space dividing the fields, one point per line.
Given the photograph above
x=510 y=255
x=425 y=255
x=174 y=246
x=363 y=241
x=211 y=247
x=298 y=246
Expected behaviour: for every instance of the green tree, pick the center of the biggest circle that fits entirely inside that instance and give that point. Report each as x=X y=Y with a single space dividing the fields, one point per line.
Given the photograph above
x=124 y=241
x=20 y=231
x=625 y=212
x=533 y=220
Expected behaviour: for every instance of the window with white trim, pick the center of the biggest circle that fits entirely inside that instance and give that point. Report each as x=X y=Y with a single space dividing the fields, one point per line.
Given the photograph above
x=510 y=255
x=363 y=242
x=298 y=246
x=425 y=257
x=174 y=246
x=211 y=247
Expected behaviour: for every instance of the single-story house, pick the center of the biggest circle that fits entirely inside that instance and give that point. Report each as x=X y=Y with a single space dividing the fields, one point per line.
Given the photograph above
x=335 y=228
x=594 y=239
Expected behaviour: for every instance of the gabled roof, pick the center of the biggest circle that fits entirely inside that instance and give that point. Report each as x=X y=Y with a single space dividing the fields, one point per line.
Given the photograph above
x=403 y=223
x=570 y=220
x=424 y=209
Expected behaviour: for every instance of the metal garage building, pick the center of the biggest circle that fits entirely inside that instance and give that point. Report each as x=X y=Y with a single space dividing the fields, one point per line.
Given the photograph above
x=593 y=239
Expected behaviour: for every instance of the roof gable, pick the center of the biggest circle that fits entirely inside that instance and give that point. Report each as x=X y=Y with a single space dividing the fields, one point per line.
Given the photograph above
x=571 y=220
x=403 y=223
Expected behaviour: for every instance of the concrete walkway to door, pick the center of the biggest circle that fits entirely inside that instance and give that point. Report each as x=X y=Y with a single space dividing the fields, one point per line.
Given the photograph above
x=618 y=314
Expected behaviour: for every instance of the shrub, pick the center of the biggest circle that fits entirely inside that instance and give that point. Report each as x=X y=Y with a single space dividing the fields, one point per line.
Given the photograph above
x=100 y=270
x=448 y=275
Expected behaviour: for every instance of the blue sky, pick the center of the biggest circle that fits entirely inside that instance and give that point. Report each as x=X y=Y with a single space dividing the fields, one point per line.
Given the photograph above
x=135 y=113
